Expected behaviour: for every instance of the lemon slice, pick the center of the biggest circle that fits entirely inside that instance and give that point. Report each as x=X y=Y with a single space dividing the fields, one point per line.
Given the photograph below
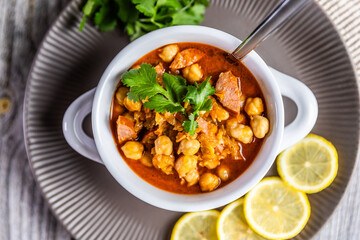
x=275 y=210
x=310 y=165
x=232 y=225
x=196 y=226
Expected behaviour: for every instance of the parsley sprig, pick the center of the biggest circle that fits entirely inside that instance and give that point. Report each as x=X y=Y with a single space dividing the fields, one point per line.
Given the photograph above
x=198 y=97
x=143 y=86
x=138 y=17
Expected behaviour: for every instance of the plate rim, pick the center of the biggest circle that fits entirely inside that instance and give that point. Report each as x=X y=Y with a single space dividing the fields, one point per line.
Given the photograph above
x=357 y=79
x=67 y=8
x=25 y=112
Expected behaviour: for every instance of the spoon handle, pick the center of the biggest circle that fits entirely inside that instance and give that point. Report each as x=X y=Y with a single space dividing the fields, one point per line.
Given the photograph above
x=283 y=12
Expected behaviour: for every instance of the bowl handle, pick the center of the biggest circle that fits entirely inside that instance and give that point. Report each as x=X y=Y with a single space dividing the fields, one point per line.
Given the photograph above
x=306 y=105
x=73 y=126
x=290 y=87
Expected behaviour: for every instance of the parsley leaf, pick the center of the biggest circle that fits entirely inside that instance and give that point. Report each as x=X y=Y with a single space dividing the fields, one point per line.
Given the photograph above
x=176 y=5
x=142 y=82
x=127 y=11
x=190 y=16
x=138 y=17
x=176 y=86
x=104 y=18
x=147 y=7
x=144 y=86
x=161 y=104
x=146 y=74
x=198 y=97
x=190 y=126
x=89 y=8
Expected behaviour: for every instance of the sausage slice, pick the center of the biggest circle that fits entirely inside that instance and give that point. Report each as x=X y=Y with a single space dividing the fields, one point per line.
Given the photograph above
x=186 y=58
x=125 y=129
x=228 y=91
x=203 y=125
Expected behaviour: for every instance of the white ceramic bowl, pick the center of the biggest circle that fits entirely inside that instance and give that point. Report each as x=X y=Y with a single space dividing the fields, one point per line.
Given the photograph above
x=104 y=148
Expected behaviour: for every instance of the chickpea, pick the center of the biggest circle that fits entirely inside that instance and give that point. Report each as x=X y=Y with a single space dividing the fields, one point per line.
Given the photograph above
x=119 y=109
x=193 y=73
x=217 y=112
x=234 y=122
x=136 y=66
x=211 y=163
x=222 y=114
x=163 y=145
x=231 y=123
x=133 y=150
x=254 y=106
x=164 y=162
x=160 y=69
x=146 y=159
x=192 y=177
x=189 y=147
x=209 y=182
x=242 y=133
x=185 y=164
x=202 y=113
x=132 y=106
x=168 y=53
x=223 y=172
x=241 y=118
x=121 y=94
x=260 y=126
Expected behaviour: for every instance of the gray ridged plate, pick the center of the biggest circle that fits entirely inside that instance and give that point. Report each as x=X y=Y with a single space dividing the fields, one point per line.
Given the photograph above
x=84 y=196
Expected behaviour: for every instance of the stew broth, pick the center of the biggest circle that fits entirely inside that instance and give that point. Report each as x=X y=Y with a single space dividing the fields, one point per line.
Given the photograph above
x=214 y=63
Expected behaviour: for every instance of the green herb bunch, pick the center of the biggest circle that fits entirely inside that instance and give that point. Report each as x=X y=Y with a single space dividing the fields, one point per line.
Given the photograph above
x=138 y=17
x=143 y=86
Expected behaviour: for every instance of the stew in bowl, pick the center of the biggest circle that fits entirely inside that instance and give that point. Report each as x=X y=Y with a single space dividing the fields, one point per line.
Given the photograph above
x=157 y=143
x=181 y=127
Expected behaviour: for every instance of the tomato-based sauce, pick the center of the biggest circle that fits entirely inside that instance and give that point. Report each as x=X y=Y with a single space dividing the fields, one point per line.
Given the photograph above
x=212 y=64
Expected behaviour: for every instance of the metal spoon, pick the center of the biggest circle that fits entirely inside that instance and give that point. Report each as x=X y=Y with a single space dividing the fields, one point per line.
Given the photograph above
x=281 y=14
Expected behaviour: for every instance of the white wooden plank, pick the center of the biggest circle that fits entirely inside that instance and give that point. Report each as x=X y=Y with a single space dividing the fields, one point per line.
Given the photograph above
x=23 y=212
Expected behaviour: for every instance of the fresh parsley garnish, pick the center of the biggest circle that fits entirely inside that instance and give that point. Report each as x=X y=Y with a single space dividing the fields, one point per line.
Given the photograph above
x=143 y=86
x=190 y=126
x=142 y=82
x=161 y=104
x=198 y=97
x=138 y=17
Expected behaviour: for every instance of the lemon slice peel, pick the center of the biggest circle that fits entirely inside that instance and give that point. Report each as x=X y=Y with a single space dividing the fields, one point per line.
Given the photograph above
x=272 y=219
x=310 y=165
x=196 y=226
x=232 y=225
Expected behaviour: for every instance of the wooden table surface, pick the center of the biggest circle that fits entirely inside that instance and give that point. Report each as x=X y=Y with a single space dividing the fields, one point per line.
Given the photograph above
x=23 y=212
